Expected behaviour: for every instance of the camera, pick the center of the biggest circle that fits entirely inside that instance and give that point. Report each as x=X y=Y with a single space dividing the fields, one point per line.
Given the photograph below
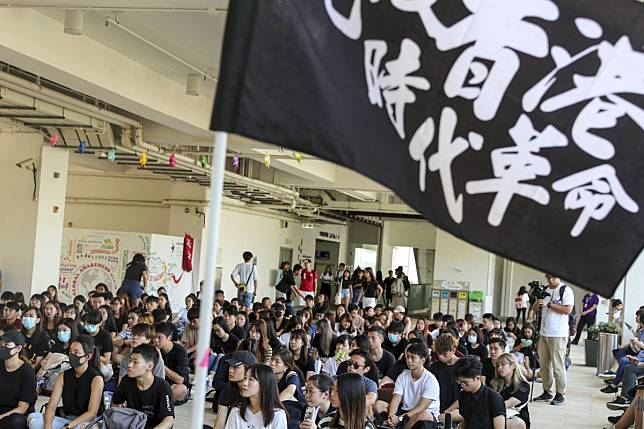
x=538 y=290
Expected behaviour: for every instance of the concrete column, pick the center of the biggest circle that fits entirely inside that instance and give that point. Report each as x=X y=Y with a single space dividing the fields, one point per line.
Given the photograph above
x=49 y=218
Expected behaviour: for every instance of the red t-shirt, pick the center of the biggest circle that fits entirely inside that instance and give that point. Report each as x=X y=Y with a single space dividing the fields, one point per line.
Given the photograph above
x=308 y=280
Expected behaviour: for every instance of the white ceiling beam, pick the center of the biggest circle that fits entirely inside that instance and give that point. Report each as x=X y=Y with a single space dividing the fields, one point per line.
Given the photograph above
x=36 y=42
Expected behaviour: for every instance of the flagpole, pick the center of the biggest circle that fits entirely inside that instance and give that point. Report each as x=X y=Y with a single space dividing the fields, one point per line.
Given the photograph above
x=208 y=290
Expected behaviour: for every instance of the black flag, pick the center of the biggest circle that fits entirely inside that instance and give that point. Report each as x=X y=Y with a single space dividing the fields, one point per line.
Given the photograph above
x=517 y=126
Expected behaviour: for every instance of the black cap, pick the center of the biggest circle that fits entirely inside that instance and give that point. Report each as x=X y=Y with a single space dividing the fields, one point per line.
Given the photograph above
x=13 y=336
x=242 y=356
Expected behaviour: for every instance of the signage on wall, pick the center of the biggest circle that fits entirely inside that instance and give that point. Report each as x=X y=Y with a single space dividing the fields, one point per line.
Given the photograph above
x=330 y=235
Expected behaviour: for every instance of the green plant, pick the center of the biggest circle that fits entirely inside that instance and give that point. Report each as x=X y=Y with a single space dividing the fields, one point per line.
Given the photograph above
x=603 y=327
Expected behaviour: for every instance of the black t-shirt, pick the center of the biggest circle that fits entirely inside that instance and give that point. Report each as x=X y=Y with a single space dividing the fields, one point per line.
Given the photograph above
x=397 y=349
x=155 y=402
x=479 y=408
x=219 y=346
x=449 y=387
x=61 y=347
x=489 y=371
x=292 y=378
x=103 y=342
x=397 y=369
x=38 y=345
x=371 y=290
x=135 y=271
x=386 y=363
x=238 y=332
x=17 y=386
x=480 y=352
x=177 y=360
x=346 y=283
x=78 y=390
x=522 y=394
x=309 y=366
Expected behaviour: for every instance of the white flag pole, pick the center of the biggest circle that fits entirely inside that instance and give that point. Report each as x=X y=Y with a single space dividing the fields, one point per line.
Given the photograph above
x=208 y=291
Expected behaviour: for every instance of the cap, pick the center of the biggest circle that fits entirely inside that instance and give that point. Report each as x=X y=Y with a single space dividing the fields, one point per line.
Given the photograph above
x=242 y=356
x=399 y=309
x=13 y=336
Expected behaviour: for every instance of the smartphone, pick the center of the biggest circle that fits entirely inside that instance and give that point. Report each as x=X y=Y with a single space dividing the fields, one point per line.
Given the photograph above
x=311 y=413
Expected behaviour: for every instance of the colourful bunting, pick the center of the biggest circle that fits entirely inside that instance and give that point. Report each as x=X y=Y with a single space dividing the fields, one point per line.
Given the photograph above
x=53 y=139
x=172 y=160
x=203 y=161
x=235 y=161
x=143 y=159
x=297 y=156
x=111 y=155
x=82 y=146
x=267 y=161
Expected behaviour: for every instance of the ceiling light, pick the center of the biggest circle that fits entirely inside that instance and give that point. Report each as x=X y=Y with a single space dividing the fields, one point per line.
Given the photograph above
x=74 y=22
x=193 y=84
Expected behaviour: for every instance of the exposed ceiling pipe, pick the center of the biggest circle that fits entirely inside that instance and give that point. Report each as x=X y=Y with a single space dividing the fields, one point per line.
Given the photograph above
x=46 y=94
x=36 y=5
x=162 y=50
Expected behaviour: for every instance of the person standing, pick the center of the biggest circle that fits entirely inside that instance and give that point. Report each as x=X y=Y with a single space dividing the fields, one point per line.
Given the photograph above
x=389 y=281
x=553 y=342
x=309 y=280
x=325 y=283
x=244 y=277
x=588 y=314
x=136 y=280
x=398 y=289
x=521 y=302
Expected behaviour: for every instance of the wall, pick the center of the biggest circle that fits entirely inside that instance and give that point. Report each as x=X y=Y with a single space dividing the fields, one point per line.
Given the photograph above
x=18 y=214
x=421 y=235
x=49 y=225
x=460 y=261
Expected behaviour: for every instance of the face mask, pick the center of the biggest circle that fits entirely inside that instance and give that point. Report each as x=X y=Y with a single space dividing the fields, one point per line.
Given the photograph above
x=91 y=329
x=472 y=339
x=75 y=361
x=5 y=353
x=64 y=336
x=393 y=338
x=29 y=322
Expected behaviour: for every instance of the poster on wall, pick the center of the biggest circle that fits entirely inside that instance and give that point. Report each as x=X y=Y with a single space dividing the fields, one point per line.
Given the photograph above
x=91 y=257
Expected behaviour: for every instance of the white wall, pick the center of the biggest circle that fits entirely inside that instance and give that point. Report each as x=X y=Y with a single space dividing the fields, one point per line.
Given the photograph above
x=50 y=212
x=460 y=261
x=18 y=214
x=421 y=235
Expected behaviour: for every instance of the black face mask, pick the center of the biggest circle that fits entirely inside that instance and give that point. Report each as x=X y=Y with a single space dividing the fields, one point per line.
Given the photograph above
x=75 y=361
x=5 y=353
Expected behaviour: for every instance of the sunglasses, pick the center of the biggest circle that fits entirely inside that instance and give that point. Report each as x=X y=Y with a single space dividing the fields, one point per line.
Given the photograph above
x=356 y=365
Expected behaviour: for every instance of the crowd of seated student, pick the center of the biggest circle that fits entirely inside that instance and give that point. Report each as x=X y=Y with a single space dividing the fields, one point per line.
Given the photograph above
x=267 y=364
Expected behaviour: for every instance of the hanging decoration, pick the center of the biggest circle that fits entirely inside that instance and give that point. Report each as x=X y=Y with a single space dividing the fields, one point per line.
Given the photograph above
x=111 y=155
x=235 y=161
x=203 y=161
x=172 y=160
x=82 y=146
x=298 y=157
x=54 y=139
x=143 y=159
x=267 y=161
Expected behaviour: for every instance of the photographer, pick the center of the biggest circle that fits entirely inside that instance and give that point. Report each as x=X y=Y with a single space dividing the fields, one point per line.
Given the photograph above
x=556 y=302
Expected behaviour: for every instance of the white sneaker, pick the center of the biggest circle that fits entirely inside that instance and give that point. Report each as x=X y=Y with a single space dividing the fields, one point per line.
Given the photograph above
x=607 y=375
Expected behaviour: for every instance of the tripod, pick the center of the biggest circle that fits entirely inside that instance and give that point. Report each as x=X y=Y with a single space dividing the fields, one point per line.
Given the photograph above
x=535 y=344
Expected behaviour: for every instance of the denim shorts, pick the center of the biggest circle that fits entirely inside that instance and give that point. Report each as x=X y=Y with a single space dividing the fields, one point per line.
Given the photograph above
x=245 y=299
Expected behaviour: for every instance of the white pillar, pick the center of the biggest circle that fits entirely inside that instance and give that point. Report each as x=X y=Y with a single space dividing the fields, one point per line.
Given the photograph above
x=52 y=186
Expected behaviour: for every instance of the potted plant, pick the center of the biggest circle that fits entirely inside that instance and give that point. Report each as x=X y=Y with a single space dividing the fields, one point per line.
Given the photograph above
x=591 y=345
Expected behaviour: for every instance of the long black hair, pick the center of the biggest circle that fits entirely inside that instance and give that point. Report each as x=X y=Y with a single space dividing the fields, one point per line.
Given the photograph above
x=137 y=259
x=353 y=409
x=269 y=395
x=87 y=343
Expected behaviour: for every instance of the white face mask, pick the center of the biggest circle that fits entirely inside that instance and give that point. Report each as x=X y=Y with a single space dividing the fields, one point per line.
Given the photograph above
x=472 y=339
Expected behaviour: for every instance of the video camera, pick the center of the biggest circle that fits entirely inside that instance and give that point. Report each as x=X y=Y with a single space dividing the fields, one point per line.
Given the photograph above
x=538 y=290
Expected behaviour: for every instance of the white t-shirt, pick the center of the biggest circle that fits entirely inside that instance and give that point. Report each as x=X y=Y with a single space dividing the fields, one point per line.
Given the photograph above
x=412 y=391
x=242 y=273
x=554 y=324
x=255 y=421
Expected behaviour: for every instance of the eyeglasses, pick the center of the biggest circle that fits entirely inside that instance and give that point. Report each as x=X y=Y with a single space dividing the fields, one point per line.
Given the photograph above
x=465 y=383
x=356 y=365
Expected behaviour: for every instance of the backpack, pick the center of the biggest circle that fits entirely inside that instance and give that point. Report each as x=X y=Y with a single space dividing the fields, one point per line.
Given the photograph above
x=124 y=418
x=572 y=317
x=406 y=284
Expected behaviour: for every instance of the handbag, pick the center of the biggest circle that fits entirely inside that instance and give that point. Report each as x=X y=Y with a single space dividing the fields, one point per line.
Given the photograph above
x=337 y=300
x=124 y=418
x=242 y=286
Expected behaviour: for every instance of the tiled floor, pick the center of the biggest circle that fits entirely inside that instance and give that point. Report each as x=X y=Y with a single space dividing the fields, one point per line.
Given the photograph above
x=585 y=404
